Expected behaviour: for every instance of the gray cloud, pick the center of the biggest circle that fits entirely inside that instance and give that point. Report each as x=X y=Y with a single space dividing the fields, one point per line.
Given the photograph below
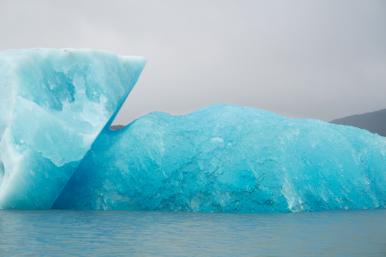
x=320 y=59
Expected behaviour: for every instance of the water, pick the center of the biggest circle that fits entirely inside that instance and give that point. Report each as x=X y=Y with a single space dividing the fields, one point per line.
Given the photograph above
x=78 y=233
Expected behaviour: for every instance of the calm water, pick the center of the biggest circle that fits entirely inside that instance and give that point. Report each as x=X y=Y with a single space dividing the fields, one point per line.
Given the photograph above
x=75 y=233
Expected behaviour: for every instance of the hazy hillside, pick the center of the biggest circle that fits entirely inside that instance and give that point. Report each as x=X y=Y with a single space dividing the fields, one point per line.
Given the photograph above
x=116 y=127
x=372 y=121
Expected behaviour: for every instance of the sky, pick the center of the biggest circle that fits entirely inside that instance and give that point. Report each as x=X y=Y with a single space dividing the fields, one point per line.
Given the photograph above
x=302 y=58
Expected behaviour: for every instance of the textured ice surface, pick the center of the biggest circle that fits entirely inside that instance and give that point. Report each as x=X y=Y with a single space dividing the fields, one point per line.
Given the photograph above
x=53 y=104
x=234 y=159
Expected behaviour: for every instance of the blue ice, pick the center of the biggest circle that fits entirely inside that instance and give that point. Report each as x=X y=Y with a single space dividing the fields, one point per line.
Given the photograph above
x=228 y=158
x=53 y=104
x=57 y=150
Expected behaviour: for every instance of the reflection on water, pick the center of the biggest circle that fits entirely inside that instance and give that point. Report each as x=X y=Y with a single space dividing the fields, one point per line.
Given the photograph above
x=76 y=233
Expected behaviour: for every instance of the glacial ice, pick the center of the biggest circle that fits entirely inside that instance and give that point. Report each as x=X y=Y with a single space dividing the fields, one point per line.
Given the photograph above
x=230 y=159
x=53 y=104
x=57 y=149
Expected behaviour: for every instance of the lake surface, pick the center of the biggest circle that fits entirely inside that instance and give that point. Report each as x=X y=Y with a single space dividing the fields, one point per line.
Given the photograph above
x=110 y=233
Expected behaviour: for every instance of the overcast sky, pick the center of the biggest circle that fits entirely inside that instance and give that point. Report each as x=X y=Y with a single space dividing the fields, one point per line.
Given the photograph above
x=321 y=59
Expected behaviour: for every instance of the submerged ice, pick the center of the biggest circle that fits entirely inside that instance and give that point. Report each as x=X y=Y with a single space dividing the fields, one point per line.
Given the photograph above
x=230 y=159
x=53 y=105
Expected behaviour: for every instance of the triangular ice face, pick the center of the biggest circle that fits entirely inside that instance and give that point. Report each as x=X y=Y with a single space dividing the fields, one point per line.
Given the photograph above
x=53 y=105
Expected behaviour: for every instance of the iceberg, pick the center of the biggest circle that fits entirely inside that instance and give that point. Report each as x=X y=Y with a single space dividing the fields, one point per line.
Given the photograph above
x=228 y=158
x=54 y=103
x=57 y=149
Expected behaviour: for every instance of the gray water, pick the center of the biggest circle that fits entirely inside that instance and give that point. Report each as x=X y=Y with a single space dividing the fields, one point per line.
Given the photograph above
x=79 y=233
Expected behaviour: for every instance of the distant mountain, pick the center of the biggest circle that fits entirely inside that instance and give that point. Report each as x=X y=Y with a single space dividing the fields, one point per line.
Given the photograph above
x=372 y=121
x=117 y=127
